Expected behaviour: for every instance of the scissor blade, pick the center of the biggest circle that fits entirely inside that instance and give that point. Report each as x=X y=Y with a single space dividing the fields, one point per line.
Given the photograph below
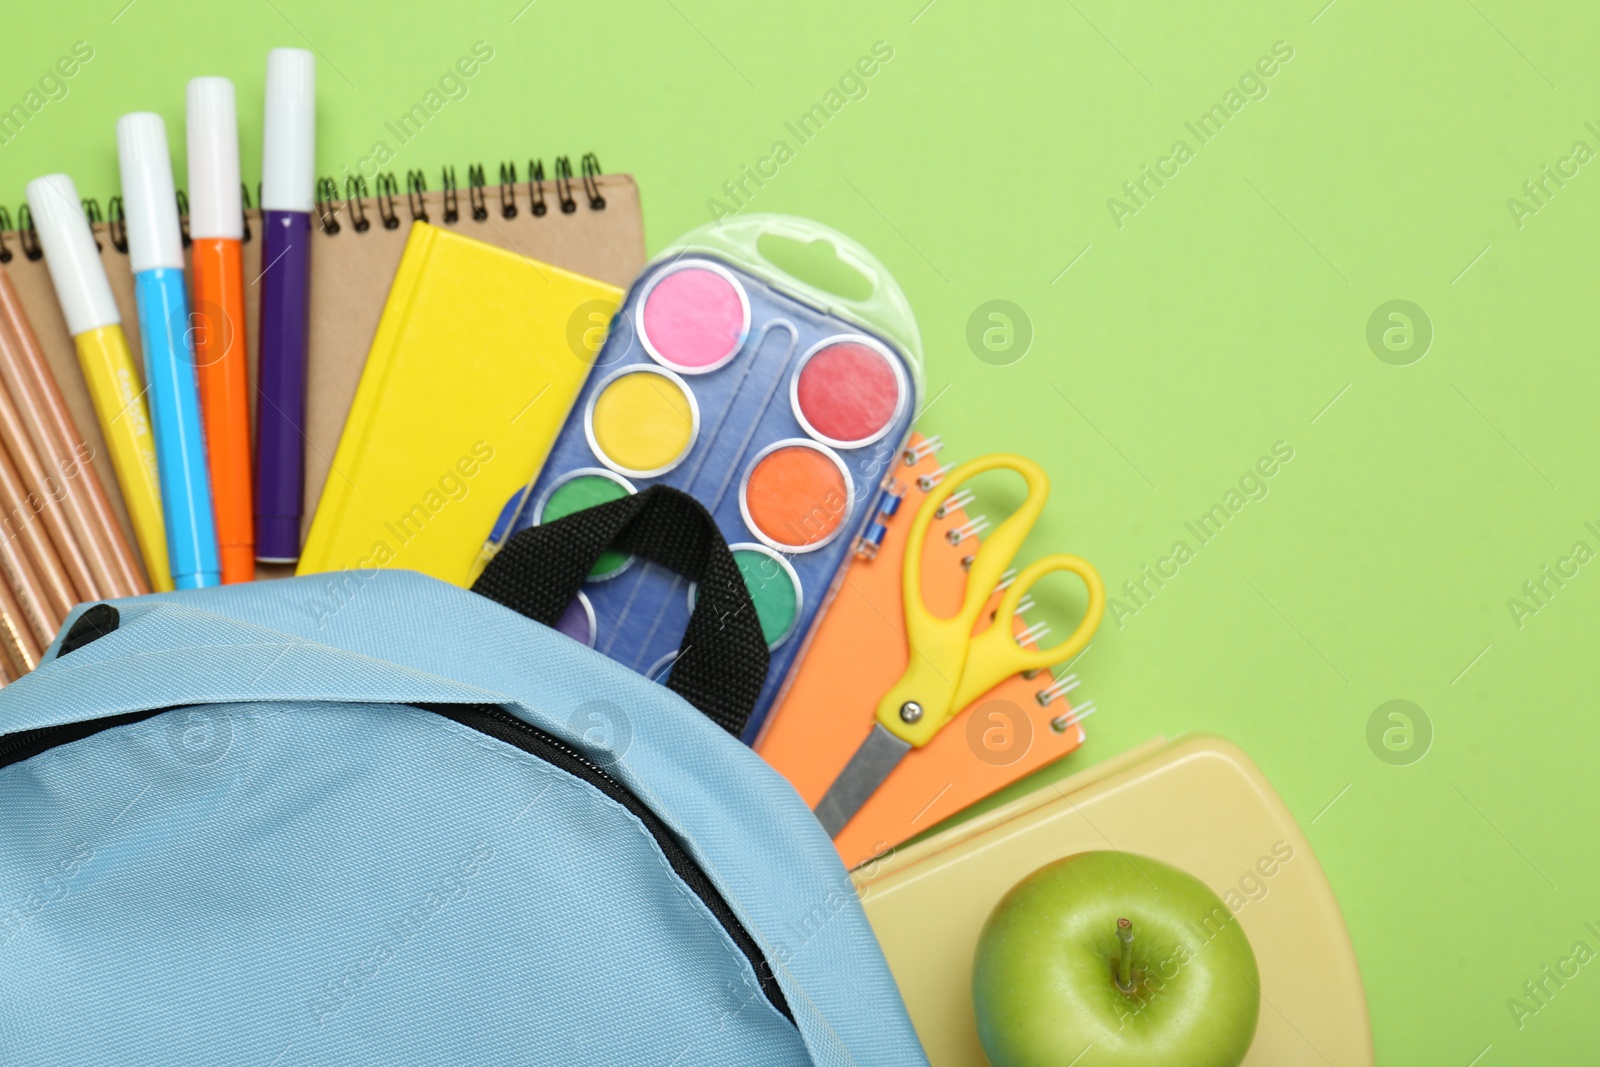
x=879 y=754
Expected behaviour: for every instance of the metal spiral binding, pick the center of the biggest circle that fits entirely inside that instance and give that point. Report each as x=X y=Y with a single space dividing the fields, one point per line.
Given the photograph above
x=971 y=528
x=91 y=212
x=1056 y=690
x=27 y=236
x=117 y=224
x=355 y=195
x=6 y=255
x=564 y=185
x=475 y=183
x=927 y=482
x=508 y=190
x=922 y=450
x=1062 y=723
x=447 y=183
x=1033 y=635
x=954 y=502
x=1058 y=687
x=183 y=217
x=536 y=187
x=327 y=214
x=591 y=184
x=327 y=208
x=416 y=192
x=388 y=191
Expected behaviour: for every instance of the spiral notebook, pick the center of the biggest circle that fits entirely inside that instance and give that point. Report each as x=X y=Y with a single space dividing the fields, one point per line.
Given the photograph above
x=588 y=223
x=860 y=649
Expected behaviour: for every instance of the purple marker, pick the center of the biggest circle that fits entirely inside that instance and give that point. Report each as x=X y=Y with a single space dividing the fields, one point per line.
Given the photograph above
x=287 y=188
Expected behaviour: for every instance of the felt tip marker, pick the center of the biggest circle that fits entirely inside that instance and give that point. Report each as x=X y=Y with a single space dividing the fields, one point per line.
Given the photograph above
x=108 y=369
x=287 y=187
x=155 y=252
x=216 y=232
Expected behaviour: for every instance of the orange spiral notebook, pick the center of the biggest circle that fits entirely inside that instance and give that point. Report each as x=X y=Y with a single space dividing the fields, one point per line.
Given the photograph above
x=860 y=650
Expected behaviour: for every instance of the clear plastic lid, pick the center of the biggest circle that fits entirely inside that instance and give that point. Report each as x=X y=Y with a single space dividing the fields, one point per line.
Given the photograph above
x=851 y=284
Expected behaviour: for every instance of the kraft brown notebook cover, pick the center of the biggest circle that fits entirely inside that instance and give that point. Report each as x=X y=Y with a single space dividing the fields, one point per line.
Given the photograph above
x=357 y=248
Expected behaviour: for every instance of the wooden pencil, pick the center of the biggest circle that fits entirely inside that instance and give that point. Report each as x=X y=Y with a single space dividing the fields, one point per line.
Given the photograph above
x=47 y=486
x=15 y=527
x=25 y=371
x=21 y=647
x=28 y=512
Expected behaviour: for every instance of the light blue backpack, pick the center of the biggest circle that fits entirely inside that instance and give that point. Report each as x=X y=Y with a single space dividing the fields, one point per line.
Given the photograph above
x=370 y=818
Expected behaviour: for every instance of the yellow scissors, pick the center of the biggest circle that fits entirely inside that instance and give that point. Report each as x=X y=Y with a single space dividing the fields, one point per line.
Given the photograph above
x=950 y=667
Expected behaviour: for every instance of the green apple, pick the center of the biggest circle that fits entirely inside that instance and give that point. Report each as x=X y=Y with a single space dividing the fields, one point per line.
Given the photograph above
x=1107 y=959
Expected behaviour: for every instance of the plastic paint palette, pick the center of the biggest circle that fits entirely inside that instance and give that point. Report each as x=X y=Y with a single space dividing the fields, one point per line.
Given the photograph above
x=779 y=417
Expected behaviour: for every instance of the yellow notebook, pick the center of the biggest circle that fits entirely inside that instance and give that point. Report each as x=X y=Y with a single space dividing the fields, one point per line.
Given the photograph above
x=478 y=358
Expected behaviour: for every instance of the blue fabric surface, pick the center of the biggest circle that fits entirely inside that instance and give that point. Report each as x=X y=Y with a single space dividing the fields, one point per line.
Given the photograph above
x=301 y=872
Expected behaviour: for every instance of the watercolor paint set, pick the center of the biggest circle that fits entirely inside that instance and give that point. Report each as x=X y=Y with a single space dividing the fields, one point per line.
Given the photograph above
x=777 y=404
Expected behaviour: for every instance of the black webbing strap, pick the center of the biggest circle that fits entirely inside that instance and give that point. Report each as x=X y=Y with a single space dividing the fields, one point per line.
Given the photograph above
x=722 y=662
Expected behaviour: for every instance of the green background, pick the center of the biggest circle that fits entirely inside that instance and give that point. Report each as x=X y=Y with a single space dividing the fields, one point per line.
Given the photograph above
x=1229 y=313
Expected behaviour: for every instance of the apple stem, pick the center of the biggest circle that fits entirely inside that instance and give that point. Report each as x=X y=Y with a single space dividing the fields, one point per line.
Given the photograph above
x=1125 y=960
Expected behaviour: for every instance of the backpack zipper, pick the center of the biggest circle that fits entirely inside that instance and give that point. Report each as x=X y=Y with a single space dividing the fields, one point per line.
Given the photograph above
x=501 y=725
x=14 y=748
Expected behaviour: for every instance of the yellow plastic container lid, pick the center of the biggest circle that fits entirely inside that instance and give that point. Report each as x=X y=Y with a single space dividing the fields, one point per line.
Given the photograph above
x=1197 y=803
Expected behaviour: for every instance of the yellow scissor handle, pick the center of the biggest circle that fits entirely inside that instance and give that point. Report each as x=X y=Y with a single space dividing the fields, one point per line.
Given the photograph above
x=995 y=655
x=940 y=647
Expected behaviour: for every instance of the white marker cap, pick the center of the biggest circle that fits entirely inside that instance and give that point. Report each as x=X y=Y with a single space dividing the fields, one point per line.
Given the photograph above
x=213 y=126
x=154 y=239
x=288 y=146
x=71 y=255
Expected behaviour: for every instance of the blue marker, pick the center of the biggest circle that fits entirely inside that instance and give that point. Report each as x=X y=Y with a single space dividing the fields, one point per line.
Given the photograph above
x=155 y=252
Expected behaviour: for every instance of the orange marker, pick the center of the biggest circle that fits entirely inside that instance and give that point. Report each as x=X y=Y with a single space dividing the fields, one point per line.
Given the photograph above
x=216 y=227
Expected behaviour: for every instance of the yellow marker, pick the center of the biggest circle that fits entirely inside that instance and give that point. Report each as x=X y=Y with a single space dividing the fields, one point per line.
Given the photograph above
x=119 y=404
x=108 y=369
